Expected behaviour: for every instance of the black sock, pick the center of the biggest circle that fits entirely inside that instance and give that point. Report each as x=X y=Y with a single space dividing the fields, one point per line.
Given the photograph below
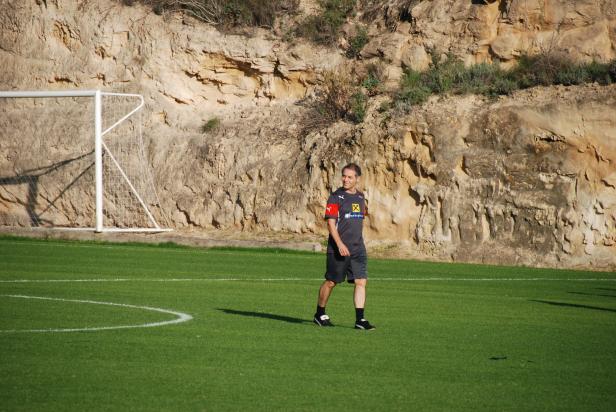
x=320 y=310
x=359 y=314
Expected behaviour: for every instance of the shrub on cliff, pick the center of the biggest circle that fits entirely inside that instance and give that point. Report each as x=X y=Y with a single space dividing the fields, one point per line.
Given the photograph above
x=372 y=80
x=323 y=28
x=357 y=43
x=391 y=11
x=226 y=12
x=451 y=76
x=211 y=125
x=337 y=88
x=550 y=69
x=413 y=91
x=340 y=97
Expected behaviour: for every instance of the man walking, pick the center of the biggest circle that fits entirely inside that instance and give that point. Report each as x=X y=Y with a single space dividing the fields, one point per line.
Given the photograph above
x=346 y=252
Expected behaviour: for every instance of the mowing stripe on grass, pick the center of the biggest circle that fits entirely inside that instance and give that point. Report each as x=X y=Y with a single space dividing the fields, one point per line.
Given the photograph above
x=430 y=279
x=181 y=317
x=179 y=248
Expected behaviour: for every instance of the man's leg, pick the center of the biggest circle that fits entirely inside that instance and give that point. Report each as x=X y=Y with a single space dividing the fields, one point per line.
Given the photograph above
x=359 y=298
x=359 y=295
x=335 y=268
x=320 y=318
x=325 y=291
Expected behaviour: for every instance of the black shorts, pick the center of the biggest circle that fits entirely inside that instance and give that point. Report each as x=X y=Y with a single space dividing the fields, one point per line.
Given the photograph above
x=349 y=267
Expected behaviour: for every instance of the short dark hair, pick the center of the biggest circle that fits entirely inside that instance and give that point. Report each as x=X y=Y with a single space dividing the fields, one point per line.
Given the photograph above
x=354 y=167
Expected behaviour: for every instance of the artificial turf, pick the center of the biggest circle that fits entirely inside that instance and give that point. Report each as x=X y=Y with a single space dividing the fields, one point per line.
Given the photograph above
x=448 y=337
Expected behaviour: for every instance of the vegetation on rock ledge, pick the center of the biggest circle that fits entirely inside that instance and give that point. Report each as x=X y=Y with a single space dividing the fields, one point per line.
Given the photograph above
x=451 y=76
x=324 y=27
x=226 y=12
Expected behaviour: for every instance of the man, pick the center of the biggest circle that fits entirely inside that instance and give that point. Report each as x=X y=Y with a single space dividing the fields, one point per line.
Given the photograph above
x=346 y=252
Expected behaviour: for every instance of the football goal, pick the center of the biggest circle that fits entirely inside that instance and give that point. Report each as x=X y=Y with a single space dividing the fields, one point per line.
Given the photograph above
x=76 y=160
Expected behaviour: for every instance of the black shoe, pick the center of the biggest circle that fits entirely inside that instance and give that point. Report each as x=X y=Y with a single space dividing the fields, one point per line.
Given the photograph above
x=322 y=320
x=364 y=325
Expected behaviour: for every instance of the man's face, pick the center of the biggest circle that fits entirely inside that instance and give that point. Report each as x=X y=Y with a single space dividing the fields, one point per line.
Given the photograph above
x=349 y=179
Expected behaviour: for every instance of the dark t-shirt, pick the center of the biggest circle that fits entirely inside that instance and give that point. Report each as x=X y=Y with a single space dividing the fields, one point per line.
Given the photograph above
x=349 y=211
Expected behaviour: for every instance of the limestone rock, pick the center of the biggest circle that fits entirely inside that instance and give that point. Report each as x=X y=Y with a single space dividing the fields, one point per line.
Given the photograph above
x=525 y=179
x=415 y=58
x=483 y=31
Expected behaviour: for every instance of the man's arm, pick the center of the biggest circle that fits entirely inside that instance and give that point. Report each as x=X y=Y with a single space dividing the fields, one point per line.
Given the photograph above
x=333 y=231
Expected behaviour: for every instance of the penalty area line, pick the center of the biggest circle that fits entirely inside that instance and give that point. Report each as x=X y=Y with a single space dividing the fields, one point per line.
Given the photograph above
x=180 y=316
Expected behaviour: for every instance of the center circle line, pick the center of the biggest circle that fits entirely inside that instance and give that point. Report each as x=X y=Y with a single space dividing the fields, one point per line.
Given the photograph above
x=180 y=316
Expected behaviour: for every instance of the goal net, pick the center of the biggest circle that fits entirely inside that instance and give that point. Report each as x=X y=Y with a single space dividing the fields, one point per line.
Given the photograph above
x=76 y=160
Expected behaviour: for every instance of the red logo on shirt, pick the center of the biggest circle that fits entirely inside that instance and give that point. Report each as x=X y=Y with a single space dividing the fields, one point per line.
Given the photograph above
x=331 y=209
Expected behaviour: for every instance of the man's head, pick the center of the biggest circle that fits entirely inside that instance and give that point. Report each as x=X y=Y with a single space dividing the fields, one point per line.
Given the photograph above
x=350 y=176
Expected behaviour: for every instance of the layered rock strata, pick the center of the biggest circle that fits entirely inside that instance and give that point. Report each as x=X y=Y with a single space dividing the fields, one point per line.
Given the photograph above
x=526 y=179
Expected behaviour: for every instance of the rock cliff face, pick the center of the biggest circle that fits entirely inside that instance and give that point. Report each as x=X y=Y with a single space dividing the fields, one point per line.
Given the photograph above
x=526 y=179
x=491 y=30
x=522 y=179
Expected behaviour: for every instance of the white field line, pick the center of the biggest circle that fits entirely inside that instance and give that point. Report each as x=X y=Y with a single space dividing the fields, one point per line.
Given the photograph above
x=389 y=279
x=180 y=317
x=437 y=279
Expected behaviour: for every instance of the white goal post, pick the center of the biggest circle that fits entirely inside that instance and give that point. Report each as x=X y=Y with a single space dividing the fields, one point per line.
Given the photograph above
x=103 y=151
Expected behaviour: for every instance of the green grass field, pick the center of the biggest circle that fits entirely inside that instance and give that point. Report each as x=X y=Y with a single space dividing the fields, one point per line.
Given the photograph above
x=449 y=336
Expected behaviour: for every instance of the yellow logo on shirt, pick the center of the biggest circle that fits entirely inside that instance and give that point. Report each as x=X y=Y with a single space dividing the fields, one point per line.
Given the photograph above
x=355 y=208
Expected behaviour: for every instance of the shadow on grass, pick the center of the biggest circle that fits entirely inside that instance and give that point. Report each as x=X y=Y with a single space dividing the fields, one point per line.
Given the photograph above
x=574 y=305
x=262 y=315
x=593 y=294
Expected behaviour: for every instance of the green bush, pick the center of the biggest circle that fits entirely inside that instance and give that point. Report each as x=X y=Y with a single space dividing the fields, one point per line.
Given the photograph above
x=539 y=70
x=503 y=86
x=211 y=125
x=341 y=97
x=324 y=27
x=486 y=79
x=572 y=75
x=393 y=12
x=612 y=70
x=238 y=13
x=256 y=12
x=385 y=106
x=450 y=76
x=549 y=69
x=444 y=75
x=226 y=12
x=600 y=73
x=372 y=80
x=357 y=43
x=371 y=83
x=336 y=11
x=413 y=91
x=358 y=107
